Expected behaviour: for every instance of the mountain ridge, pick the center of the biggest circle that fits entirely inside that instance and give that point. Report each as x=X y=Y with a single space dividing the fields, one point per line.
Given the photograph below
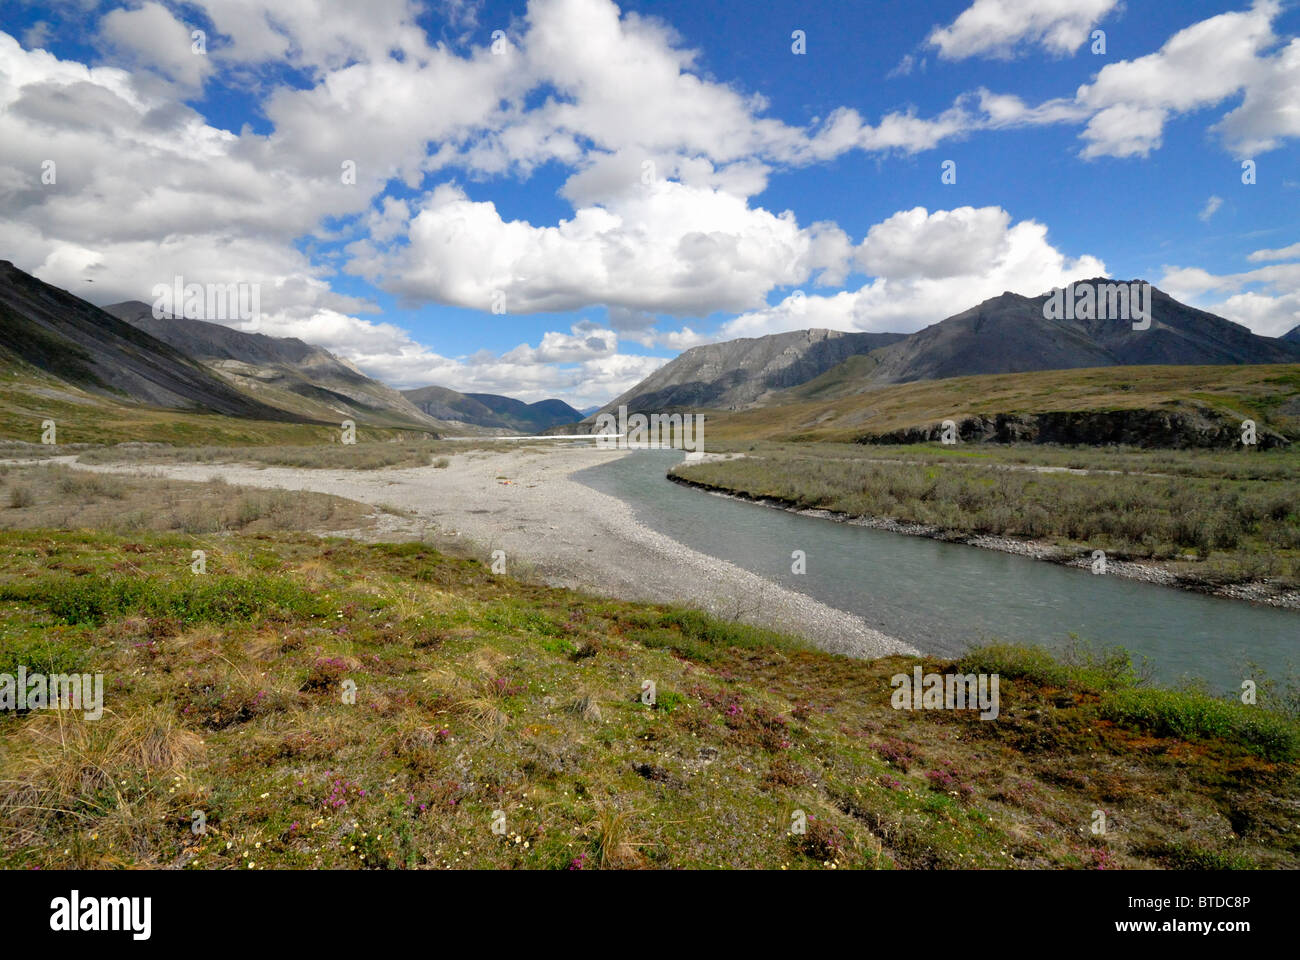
x=492 y=411
x=57 y=332
x=1009 y=333
x=735 y=374
x=282 y=371
x=1027 y=340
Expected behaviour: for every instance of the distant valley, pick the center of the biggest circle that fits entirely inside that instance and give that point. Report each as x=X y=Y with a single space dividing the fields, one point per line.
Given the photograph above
x=838 y=385
x=491 y=411
x=63 y=352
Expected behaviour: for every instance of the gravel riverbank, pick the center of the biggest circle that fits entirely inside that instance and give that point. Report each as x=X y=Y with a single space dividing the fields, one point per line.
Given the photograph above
x=555 y=530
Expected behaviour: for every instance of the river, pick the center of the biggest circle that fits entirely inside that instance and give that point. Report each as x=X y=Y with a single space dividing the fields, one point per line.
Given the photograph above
x=942 y=597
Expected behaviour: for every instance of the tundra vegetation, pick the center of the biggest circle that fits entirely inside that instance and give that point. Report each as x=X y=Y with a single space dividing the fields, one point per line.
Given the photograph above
x=57 y=496
x=228 y=740
x=333 y=456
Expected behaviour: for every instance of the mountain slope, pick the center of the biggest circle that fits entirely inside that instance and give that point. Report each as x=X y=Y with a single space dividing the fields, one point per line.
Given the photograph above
x=743 y=373
x=447 y=404
x=1293 y=335
x=281 y=371
x=487 y=410
x=1009 y=334
x=51 y=330
x=538 y=416
x=1006 y=334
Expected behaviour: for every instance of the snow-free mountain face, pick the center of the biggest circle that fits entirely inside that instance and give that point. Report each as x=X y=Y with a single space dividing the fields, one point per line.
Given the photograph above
x=741 y=373
x=1006 y=334
x=1013 y=334
x=125 y=352
x=281 y=371
x=490 y=411
x=312 y=377
x=51 y=330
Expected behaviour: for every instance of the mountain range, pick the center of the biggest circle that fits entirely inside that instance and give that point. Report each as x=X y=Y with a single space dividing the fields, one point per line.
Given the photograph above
x=742 y=373
x=1010 y=333
x=282 y=372
x=125 y=354
x=491 y=411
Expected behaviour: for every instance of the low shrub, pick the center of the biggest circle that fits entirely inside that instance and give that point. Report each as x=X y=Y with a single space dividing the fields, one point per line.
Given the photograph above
x=1197 y=716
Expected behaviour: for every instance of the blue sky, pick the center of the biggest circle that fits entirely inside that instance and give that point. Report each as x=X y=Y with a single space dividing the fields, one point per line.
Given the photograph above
x=558 y=213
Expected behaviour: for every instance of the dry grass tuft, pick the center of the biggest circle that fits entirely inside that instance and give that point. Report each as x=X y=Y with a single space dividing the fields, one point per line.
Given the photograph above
x=487 y=718
x=616 y=844
x=60 y=764
x=586 y=708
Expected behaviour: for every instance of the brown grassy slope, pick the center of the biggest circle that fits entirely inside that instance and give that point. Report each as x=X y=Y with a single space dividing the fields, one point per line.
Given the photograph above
x=840 y=405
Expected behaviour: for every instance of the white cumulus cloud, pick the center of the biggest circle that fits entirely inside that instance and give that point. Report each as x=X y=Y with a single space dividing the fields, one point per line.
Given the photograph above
x=929 y=266
x=999 y=27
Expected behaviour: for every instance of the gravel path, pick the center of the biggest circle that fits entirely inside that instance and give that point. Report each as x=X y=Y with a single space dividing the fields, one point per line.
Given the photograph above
x=558 y=531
